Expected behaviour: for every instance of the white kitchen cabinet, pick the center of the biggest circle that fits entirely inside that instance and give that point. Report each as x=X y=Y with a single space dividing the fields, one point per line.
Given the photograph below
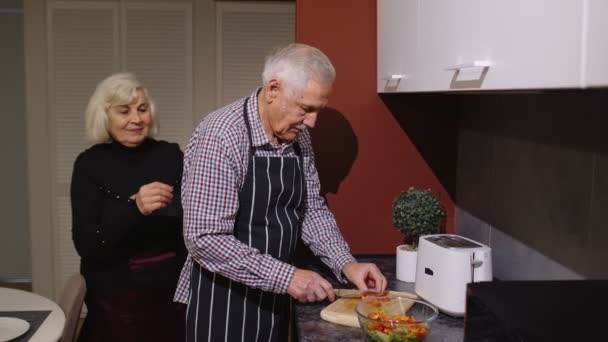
x=398 y=45
x=595 y=69
x=497 y=45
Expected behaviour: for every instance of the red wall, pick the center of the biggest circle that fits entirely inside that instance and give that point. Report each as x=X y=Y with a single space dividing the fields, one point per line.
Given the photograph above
x=386 y=161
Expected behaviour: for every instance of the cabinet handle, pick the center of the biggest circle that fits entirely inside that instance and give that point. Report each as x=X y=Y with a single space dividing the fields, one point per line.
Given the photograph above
x=473 y=64
x=395 y=77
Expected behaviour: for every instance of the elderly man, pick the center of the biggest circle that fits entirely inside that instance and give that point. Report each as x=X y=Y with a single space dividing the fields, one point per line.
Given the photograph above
x=250 y=190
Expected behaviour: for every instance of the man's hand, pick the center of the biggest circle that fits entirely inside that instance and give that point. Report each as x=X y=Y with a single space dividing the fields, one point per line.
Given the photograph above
x=308 y=286
x=153 y=196
x=366 y=276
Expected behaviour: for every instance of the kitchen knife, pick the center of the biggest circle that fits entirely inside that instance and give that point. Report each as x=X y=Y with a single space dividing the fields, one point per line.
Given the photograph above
x=354 y=293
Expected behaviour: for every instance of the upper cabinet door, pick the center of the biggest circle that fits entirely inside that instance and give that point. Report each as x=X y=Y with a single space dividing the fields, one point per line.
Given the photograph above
x=595 y=68
x=532 y=44
x=448 y=36
x=398 y=45
x=459 y=45
x=496 y=44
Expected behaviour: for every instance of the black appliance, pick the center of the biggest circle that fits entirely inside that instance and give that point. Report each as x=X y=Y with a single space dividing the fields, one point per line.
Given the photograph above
x=537 y=311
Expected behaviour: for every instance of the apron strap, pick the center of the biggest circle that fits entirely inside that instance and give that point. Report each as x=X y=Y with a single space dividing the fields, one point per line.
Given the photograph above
x=248 y=125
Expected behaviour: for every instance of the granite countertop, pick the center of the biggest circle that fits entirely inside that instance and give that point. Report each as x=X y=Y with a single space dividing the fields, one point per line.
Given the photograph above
x=310 y=326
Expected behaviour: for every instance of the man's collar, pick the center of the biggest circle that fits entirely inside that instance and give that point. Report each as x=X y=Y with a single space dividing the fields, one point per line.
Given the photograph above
x=258 y=135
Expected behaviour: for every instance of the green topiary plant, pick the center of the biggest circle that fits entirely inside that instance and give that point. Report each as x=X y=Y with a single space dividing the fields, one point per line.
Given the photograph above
x=417 y=212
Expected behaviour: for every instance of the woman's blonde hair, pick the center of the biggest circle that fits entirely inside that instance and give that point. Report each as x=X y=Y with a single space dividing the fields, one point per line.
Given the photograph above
x=117 y=89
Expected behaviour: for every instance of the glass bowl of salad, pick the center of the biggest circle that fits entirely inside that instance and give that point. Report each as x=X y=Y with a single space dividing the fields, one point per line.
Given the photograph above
x=395 y=319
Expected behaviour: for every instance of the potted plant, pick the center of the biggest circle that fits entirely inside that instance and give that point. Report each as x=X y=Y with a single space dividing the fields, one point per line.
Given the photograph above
x=416 y=212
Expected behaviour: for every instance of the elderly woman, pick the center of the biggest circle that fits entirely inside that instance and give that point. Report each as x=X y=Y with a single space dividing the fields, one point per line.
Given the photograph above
x=127 y=218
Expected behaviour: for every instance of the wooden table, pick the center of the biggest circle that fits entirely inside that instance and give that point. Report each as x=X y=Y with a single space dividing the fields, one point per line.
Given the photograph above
x=17 y=300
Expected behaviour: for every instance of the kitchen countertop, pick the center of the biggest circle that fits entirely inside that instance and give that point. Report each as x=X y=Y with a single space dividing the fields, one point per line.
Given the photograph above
x=310 y=326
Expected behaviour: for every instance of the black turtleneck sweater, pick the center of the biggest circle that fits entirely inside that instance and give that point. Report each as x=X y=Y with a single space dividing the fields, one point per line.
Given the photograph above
x=107 y=227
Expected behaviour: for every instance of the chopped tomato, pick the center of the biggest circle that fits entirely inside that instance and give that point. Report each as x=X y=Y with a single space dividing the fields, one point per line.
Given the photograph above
x=374 y=326
x=391 y=322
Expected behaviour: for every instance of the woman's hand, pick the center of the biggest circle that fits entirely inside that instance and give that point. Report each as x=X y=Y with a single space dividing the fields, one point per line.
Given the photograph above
x=153 y=196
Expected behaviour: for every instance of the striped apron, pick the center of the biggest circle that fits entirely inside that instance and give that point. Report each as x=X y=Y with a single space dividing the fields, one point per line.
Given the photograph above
x=271 y=207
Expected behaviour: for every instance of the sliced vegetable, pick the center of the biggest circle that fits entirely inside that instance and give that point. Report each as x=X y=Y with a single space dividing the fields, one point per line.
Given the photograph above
x=388 y=328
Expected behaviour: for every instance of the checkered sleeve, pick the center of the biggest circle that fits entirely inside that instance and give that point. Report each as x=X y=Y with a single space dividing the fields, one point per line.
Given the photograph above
x=319 y=229
x=210 y=201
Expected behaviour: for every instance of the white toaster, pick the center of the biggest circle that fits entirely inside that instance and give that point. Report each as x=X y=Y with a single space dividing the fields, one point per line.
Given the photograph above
x=445 y=265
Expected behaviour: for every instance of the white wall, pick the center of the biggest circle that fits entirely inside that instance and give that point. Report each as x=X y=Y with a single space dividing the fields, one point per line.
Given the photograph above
x=14 y=232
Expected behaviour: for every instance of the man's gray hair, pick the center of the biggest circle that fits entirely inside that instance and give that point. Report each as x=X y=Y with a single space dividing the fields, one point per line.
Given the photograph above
x=116 y=89
x=296 y=64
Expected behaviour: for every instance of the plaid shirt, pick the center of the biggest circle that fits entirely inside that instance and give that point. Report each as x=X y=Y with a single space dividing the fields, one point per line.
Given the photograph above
x=215 y=165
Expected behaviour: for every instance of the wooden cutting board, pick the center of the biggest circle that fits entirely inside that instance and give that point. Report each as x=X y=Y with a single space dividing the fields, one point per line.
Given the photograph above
x=342 y=310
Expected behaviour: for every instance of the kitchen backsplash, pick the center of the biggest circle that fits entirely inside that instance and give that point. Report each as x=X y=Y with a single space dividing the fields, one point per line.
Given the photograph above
x=511 y=259
x=528 y=173
x=532 y=181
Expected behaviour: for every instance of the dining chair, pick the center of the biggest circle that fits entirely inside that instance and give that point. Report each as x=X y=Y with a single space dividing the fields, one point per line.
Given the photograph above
x=71 y=303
